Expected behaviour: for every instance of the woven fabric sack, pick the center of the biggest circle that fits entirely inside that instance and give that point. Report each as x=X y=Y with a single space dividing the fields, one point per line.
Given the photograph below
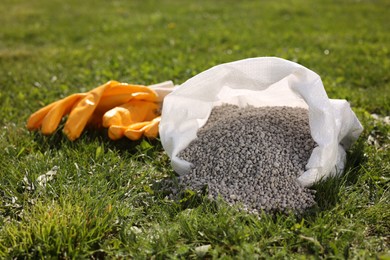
x=263 y=81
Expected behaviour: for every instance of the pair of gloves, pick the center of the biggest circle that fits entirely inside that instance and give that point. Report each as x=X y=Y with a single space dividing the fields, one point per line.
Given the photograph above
x=126 y=110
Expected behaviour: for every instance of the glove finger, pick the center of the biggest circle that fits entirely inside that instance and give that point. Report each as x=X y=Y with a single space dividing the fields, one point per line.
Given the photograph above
x=151 y=130
x=49 y=116
x=83 y=111
x=133 y=134
x=117 y=116
x=54 y=116
x=116 y=132
x=35 y=120
x=132 y=112
x=121 y=93
x=111 y=101
x=141 y=110
x=135 y=131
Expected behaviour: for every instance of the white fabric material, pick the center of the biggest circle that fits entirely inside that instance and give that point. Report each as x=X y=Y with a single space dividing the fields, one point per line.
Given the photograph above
x=162 y=89
x=265 y=81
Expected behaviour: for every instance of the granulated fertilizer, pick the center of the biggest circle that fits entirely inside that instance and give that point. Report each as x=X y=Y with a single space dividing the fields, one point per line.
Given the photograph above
x=252 y=156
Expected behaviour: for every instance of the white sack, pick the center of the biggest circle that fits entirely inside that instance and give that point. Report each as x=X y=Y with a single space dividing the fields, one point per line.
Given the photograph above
x=266 y=81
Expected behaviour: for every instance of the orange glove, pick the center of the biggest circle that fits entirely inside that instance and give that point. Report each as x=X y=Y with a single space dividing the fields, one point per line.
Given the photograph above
x=137 y=117
x=133 y=119
x=87 y=108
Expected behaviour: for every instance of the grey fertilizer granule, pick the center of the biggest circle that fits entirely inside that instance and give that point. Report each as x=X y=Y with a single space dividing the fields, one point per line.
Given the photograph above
x=252 y=157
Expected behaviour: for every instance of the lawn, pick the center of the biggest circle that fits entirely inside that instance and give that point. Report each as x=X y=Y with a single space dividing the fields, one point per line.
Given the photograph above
x=104 y=201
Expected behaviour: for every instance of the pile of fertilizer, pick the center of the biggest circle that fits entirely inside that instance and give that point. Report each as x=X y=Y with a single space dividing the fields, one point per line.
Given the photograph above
x=252 y=157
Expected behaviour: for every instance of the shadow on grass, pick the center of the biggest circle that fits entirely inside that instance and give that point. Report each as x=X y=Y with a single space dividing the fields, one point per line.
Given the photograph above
x=58 y=140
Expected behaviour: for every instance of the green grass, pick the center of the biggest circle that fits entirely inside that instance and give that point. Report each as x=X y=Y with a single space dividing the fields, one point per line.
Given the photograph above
x=103 y=202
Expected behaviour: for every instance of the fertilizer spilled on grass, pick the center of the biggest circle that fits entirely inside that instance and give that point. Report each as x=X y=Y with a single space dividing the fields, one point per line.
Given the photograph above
x=252 y=157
